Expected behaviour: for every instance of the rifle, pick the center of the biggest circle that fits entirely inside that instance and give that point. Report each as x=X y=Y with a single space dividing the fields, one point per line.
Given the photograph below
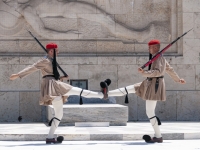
x=162 y=51
x=64 y=73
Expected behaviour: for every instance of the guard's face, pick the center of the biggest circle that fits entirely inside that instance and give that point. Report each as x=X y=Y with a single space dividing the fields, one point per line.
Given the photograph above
x=51 y=52
x=153 y=49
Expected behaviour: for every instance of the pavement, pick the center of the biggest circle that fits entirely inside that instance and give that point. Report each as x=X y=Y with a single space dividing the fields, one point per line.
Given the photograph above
x=102 y=145
x=132 y=132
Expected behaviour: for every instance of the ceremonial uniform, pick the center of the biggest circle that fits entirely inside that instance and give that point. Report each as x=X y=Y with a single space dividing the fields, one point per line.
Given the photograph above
x=153 y=87
x=50 y=88
x=53 y=91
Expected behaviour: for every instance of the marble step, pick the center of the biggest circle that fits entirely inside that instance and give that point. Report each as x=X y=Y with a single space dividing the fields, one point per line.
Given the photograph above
x=133 y=131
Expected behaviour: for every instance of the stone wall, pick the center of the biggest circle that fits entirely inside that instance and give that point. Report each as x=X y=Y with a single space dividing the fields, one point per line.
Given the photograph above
x=100 y=39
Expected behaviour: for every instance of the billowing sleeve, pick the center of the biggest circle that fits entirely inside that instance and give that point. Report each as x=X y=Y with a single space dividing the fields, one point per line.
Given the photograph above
x=32 y=68
x=158 y=70
x=170 y=71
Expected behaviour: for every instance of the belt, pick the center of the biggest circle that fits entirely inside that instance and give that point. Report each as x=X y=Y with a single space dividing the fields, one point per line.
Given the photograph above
x=48 y=76
x=157 y=82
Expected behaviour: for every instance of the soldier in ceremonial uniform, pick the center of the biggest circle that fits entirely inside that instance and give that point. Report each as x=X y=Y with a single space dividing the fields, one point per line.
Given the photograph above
x=152 y=89
x=53 y=90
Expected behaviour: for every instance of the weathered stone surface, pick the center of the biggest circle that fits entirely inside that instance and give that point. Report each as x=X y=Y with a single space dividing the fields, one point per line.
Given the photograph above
x=24 y=84
x=9 y=108
x=116 y=60
x=30 y=109
x=114 y=113
x=191 y=6
x=97 y=73
x=71 y=70
x=9 y=60
x=186 y=72
x=111 y=46
x=187 y=19
x=196 y=25
x=191 y=51
x=77 y=46
x=77 y=60
x=90 y=29
x=128 y=75
x=188 y=106
x=197 y=77
x=9 y=46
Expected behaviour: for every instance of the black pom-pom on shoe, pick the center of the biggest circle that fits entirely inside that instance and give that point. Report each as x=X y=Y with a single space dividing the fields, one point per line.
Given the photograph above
x=60 y=139
x=147 y=138
x=103 y=84
x=108 y=81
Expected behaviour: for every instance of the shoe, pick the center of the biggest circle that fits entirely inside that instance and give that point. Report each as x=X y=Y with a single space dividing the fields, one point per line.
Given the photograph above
x=148 y=139
x=158 y=140
x=58 y=140
x=104 y=87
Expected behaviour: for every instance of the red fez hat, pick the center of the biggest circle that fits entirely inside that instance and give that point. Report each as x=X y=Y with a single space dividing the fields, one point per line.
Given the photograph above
x=51 y=46
x=154 y=42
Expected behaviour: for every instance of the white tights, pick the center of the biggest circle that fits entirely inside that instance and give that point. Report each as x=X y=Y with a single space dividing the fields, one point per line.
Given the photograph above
x=150 y=111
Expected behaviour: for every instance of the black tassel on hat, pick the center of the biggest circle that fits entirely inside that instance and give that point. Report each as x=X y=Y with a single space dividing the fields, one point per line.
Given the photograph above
x=55 y=70
x=81 y=101
x=150 y=56
x=126 y=98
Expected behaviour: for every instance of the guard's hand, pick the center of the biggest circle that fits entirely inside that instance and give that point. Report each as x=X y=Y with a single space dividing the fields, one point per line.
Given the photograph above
x=14 y=76
x=63 y=77
x=140 y=70
x=182 y=81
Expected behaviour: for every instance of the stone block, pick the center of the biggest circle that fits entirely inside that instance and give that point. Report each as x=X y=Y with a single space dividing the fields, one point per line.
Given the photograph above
x=97 y=73
x=114 y=46
x=23 y=84
x=191 y=51
x=188 y=106
x=91 y=124
x=77 y=46
x=116 y=60
x=9 y=46
x=186 y=72
x=106 y=137
x=197 y=77
x=9 y=107
x=187 y=25
x=77 y=60
x=196 y=25
x=115 y=114
x=190 y=6
x=128 y=75
x=30 y=110
x=9 y=60
x=71 y=70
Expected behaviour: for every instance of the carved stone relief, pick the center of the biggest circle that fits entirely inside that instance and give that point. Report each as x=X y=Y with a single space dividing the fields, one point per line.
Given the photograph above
x=128 y=21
